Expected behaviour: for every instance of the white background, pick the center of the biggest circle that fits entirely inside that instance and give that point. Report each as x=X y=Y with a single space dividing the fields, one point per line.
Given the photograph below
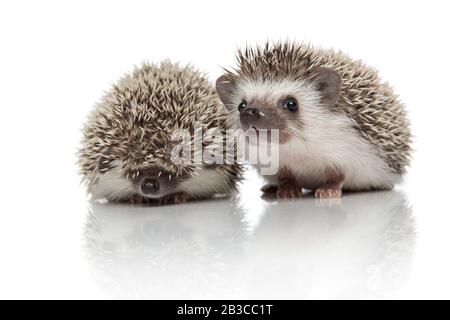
x=58 y=57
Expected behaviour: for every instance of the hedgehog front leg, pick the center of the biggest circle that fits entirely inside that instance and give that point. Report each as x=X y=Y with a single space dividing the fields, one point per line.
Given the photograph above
x=289 y=187
x=332 y=188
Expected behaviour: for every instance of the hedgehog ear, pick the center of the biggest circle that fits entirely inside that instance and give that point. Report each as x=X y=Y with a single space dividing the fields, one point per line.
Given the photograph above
x=225 y=90
x=328 y=83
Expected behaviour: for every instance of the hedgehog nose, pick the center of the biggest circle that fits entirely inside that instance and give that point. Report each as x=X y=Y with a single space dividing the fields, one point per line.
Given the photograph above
x=149 y=186
x=251 y=112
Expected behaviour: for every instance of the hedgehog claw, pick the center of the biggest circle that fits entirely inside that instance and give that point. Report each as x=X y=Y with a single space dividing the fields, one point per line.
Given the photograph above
x=327 y=193
x=288 y=193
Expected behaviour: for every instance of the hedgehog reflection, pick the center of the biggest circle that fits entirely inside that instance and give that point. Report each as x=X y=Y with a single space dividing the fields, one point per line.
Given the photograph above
x=357 y=246
x=165 y=251
x=361 y=247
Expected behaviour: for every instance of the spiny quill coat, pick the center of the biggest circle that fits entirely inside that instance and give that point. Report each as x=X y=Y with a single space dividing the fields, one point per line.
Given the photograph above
x=340 y=126
x=127 y=146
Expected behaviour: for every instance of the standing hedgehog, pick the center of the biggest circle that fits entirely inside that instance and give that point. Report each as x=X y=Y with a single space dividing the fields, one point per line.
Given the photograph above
x=127 y=148
x=339 y=126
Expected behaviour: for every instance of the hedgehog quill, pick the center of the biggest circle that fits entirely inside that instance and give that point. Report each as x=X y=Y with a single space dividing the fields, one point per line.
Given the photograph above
x=127 y=147
x=340 y=127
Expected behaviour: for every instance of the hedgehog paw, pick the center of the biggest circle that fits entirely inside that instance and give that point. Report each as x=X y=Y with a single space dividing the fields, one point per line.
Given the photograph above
x=175 y=198
x=140 y=200
x=269 y=188
x=326 y=193
x=136 y=199
x=180 y=198
x=288 y=193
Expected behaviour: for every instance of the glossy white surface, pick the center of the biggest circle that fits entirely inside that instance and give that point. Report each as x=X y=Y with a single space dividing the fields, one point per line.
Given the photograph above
x=56 y=59
x=361 y=246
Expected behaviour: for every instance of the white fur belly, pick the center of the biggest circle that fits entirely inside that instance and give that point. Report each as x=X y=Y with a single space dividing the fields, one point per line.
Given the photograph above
x=355 y=158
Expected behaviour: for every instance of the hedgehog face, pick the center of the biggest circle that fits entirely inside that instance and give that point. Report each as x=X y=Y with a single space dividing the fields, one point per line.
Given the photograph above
x=285 y=104
x=116 y=182
x=155 y=167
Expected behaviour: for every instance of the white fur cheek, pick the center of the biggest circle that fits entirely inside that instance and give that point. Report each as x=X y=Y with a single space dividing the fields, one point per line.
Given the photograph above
x=112 y=185
x=207 y=183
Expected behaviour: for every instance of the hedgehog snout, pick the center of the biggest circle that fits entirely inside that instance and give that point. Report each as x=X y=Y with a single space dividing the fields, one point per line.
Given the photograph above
x=250 y=118
x=155 y=182
x=258 y=116
x=149 y=186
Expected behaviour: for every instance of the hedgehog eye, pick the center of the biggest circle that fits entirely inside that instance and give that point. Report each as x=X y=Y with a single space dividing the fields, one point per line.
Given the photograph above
x=242 y=105
x=291 y=104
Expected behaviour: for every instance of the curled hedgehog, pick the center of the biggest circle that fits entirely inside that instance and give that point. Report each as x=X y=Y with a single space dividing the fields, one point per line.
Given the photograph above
x=128 y=140
x=340 y=127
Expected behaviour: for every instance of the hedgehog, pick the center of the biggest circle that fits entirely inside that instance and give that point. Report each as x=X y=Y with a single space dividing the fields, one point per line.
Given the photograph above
x=340 y=127
x=128 y=146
